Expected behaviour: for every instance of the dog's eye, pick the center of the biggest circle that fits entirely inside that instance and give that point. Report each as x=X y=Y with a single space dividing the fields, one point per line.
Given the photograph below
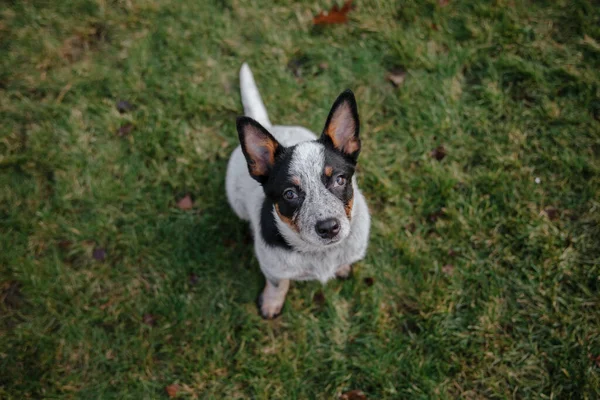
x=290 y=194
x=340 y=180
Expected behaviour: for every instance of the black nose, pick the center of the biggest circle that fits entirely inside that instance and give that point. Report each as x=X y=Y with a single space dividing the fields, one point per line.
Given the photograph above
x=328 y=228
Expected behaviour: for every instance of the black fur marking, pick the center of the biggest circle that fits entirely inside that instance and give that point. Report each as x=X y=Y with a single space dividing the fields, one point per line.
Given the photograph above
x=341 y=166
x=345 y=97
x=278 y=181
x=268 y=227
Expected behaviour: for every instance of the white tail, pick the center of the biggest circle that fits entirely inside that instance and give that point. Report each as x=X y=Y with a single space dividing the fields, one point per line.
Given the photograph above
x=253 y=104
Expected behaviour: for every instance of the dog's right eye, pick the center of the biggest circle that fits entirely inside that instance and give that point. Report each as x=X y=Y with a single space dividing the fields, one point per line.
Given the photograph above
x=290 y=194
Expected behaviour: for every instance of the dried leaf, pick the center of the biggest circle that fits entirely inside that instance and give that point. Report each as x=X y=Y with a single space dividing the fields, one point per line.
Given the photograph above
x=149 y=319
x=334 y=16
x=99 y=254
x=411 y=227
x=123 y=106
x=125 y=129
x=319 y=298
x=353 y=395
x=65 y=244
x=185 y=203
x=438 y=153
x=448 y=269
x=552 y=213
x=443 y=3
x=369 y=281
x=434 y=216
x=396 y=75
x=172 y=390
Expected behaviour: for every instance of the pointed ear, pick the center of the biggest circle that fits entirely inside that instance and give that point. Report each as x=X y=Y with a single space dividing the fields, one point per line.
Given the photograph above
x=342 y=126
x=259 y=147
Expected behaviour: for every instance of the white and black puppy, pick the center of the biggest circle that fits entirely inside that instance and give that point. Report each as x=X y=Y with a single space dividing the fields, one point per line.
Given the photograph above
x=299 y=192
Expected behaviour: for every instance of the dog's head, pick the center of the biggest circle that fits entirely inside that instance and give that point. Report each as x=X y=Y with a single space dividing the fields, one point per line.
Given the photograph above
x=310 y=185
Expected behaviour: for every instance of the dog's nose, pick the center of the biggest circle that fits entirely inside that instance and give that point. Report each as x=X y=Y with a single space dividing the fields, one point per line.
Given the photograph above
x=328 y=228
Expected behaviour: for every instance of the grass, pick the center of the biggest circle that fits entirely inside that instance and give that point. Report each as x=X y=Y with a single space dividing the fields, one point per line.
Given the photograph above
x=482 y=276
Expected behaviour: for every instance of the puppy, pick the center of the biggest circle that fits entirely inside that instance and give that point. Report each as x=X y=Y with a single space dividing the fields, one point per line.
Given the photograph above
x=299 y=192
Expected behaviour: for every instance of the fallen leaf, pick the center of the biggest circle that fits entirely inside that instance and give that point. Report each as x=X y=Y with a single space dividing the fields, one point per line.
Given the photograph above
x=434 y=27
x=99 y=254
x=125 y=129
x=438 y=153
x=411 y=227
x=434 y=216
x=149 y=319
x=396 y=75
x=323 y=66
x=353 y=395
x=451 y=252
x=172 y=390
x=319 y=298
x=185 y=203
x=193 y=279
x=443 y=3
x=552 y=213
x=123 y=106
x=448 y=269
x=369 y=281
x=65 y=244
x=334 y=16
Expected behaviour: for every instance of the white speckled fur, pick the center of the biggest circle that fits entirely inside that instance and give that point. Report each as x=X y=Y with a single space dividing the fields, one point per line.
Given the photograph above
x=308 y=261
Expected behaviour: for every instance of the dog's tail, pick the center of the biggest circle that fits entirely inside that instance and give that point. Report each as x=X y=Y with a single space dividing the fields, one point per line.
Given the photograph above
x=253 y=104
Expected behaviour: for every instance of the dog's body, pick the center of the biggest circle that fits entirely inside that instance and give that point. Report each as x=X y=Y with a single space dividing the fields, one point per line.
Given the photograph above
x=308 y=217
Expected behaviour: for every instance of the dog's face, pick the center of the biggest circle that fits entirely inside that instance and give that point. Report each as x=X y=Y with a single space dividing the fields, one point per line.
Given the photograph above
x=310 y=185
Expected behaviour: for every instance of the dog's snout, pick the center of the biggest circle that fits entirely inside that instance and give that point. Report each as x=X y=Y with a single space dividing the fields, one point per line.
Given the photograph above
x=328 y=228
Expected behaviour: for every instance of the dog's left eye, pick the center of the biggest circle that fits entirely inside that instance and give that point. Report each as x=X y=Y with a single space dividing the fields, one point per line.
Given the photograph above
x=340 y=180
x=290 y=194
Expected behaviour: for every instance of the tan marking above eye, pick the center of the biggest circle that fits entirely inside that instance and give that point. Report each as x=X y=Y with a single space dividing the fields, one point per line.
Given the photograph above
x=296 y=180
x=328 y=170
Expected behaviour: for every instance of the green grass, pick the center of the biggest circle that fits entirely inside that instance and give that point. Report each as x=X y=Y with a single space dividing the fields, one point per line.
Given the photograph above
x=511 y=89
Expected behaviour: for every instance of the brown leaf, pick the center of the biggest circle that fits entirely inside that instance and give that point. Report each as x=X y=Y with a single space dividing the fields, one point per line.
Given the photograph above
x=334 y=16
x=319 y=298
x=448 y=269
x=552 y=213
x=353 y=395
x=123 y=106
x=434 y=27
x=434 y=216
x=451 y=253
x=99 y=254
x=411 y=227
x=369 y=281
x=185 y=203
x=443 y=3
x=438 y=153
x=149 y=319
x=172 y=390
x=125 y=129
x=65 y=244
x=396 y=75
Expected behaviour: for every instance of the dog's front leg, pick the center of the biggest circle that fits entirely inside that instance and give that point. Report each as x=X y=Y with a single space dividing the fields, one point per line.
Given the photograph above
x=272 y=298
x=344 y=271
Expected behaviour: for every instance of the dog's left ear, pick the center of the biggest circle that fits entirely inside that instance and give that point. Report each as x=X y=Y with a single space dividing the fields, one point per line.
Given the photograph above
x=342 y=127
x=259 y=147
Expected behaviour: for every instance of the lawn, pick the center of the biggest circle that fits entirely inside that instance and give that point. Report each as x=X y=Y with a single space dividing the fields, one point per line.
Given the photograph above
x=481 y=166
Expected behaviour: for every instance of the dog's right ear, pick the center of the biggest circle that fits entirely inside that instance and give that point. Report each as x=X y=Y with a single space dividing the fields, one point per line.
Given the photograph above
x=259 y=147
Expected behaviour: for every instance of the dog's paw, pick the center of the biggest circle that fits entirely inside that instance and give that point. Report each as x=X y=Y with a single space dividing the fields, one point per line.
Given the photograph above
x=268 y=309
x=344 y=271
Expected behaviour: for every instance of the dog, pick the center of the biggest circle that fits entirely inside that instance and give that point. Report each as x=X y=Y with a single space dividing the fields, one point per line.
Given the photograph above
x=308 y=218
